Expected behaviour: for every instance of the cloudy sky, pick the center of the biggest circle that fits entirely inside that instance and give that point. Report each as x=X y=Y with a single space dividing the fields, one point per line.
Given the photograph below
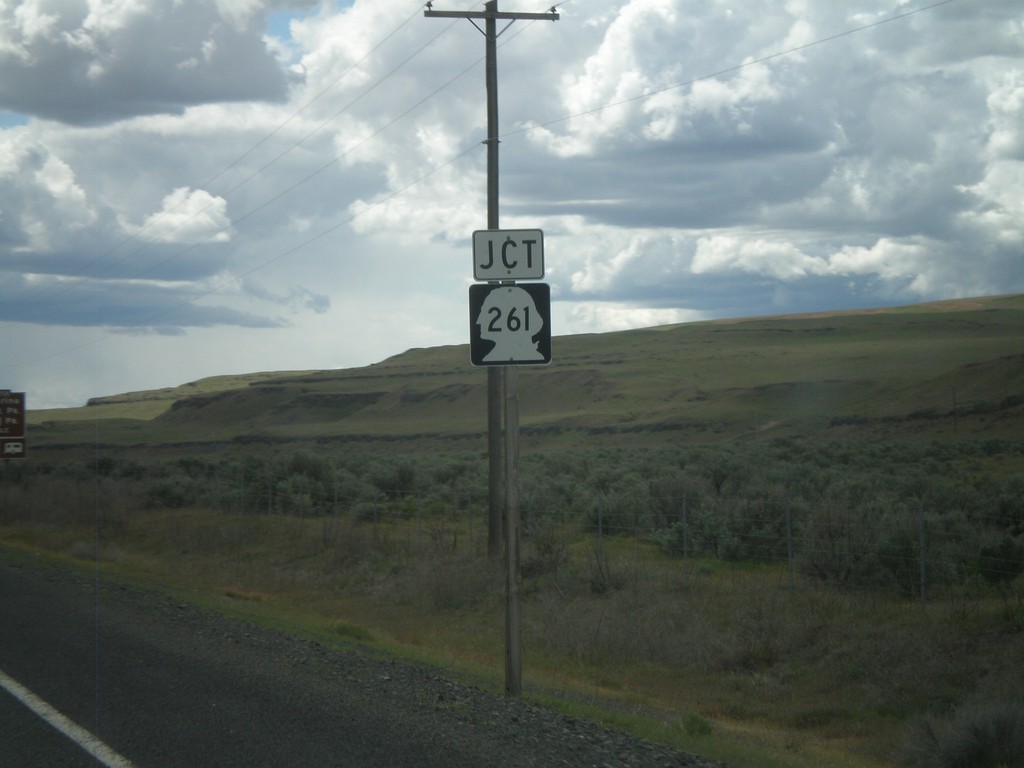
x=200 y=187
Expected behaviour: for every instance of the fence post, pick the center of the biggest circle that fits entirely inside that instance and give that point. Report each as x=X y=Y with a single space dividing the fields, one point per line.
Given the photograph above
x=923 y=552
x=789 y=539
x=419 y=518
x=686 y=544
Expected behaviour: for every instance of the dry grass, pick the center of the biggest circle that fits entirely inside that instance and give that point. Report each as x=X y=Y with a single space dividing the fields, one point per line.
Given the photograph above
x=730 y=662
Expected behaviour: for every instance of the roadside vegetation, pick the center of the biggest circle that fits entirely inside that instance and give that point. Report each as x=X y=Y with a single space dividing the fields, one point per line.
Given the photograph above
x=778 y=603
x=789 y=541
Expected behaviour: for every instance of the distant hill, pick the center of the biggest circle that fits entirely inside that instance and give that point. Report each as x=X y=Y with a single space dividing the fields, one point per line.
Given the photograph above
x=946 y=370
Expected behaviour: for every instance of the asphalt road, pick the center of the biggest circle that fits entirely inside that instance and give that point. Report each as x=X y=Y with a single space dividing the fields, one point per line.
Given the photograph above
x=164 y=684
x=151 y=680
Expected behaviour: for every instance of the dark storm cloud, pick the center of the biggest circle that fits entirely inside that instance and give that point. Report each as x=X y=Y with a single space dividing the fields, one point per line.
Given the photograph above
x=62 y=61
x=113 y=304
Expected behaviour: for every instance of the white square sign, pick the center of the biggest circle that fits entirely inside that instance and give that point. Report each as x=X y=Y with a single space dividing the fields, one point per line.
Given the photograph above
x=508 y=254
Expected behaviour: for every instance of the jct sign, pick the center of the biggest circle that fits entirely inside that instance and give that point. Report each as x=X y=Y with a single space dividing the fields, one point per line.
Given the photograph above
x=508 y=254
x=510 y=324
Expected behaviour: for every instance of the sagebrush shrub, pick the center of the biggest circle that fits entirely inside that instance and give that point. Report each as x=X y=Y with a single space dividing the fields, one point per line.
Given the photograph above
x=979 y=736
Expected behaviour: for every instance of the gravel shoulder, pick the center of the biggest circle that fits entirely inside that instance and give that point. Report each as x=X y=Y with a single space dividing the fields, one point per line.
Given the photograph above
x=213 y=681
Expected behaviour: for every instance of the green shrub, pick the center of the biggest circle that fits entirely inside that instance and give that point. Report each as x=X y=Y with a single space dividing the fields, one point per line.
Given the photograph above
x=979 y=736
x=1003 y=560
x=170 y=494
x=842 y=543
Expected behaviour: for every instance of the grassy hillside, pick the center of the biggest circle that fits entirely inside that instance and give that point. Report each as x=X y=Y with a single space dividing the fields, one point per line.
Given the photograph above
x=949 y=369
x=780 y=542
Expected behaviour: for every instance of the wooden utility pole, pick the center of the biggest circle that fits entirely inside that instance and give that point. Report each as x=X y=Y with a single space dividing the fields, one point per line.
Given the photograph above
x=502 y=395
x=496 y=377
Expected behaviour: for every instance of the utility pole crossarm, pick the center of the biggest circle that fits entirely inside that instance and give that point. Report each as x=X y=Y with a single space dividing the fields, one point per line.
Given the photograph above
x=550 y=16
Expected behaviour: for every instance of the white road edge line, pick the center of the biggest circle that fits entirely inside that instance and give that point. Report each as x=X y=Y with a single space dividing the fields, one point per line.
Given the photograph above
x=72 y=730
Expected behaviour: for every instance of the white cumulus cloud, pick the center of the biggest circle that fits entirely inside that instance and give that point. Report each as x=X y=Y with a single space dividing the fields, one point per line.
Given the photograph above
x=781 y=260
x=187 y=217
x=295 y=184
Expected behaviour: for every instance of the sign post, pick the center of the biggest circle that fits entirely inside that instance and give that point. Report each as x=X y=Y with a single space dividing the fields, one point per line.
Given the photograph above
x=510 y=325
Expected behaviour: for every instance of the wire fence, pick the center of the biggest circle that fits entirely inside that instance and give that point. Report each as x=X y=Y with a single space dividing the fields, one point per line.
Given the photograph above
x=919 y=549
x=902 y=546
x=907 y=548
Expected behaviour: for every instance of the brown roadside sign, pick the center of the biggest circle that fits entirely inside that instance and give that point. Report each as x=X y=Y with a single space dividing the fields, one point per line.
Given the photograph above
x=12 y=414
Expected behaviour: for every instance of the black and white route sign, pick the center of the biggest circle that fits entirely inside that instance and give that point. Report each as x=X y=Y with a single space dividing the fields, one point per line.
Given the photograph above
x=510 y=324
x=508 y=254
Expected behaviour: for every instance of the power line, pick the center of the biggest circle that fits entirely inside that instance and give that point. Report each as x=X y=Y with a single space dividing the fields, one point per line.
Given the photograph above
x=65 y=286
x=380 y=81
x=309 y=177
x=322 y=92
x=62 y=287
x=334 y=161
x=149 y=320
x=730 y=70
x=298 y=247
x=595 y=110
